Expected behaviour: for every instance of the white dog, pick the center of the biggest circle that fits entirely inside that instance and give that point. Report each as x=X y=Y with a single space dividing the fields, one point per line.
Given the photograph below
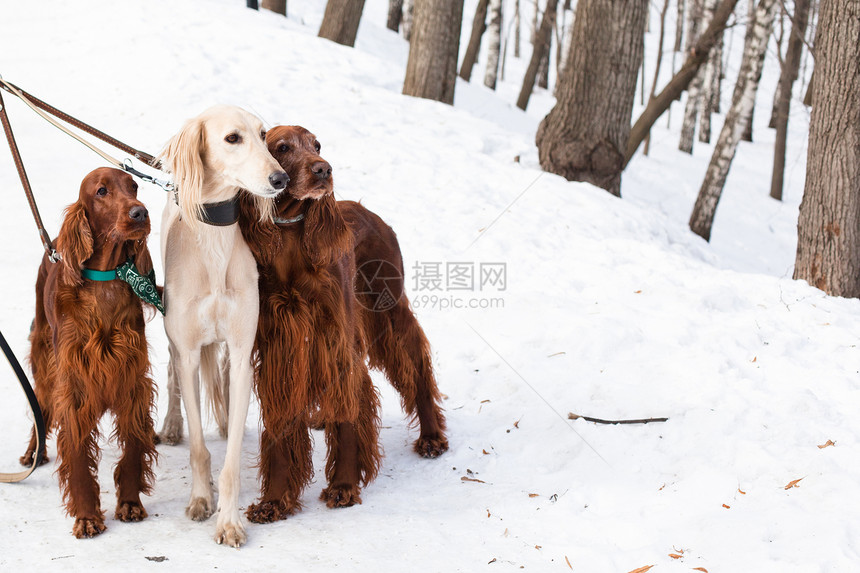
x=211 y=292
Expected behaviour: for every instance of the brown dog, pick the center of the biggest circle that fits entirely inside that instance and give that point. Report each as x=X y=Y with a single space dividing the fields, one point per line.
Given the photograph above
x=88 y=350
x=315 y=334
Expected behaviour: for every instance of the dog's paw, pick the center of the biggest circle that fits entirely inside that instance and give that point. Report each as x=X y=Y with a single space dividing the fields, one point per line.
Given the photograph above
x=130 y=511
x=171 y=431
x=86 y=527
x=341 y=495
x=431 y=446
x=199 y=509
x=269 y=511
x=232 y=534
x=27 y=459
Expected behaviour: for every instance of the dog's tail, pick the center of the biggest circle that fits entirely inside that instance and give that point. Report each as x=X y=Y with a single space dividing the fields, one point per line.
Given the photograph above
x=215 y=376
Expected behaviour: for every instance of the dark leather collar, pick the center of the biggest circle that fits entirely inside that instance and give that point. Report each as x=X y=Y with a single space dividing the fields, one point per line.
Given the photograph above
x=221 y=214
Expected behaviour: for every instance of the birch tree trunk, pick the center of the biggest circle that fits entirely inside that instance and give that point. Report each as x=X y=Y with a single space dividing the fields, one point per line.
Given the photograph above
x=395 y=14
x=431 y=70
x=479 y=25
x=494 y=43
x=537 y=54
x=710 y=92
x=340 y=21
x=599 y=82
x=695 y=58
x=679 y=26
x=828 y=234
x=743 y=98
x=699 y=16
x=787 y=79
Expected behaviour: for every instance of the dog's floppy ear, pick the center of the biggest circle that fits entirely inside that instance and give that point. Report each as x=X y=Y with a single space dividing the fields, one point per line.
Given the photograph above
x=258 y=231
x=142 y=259
x=74 y=243
x=182 y=156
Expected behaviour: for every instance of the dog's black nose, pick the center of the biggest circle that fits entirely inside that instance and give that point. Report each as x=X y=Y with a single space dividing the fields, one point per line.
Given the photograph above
x=321 y=169
x=279 y=180
x=138 y=213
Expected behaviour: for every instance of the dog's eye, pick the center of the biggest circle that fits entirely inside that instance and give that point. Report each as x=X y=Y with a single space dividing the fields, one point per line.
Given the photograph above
x=263 y=135
x=283 y=148
x=101 y=191
x=317 y=146
x=233 y=138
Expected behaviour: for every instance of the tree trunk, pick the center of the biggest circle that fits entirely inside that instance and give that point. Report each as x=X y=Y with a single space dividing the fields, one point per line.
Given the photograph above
x=657 y=65
x=695 y=58
x=431 y=70
x=695 y=16
x=494 y=44
x=543 y=66
x=395 y=14
x=679 y=27
x=747 y=133
x=277 y=6
x=710 y=92
x=340 y=21
x=537 y=53
x=479 y=25
x=564 y=47
x=599 y=82
x=407 y=19
x=252 y=4
x=787 y=79
x=516 y=28
x=742 y=102
x=828 y=235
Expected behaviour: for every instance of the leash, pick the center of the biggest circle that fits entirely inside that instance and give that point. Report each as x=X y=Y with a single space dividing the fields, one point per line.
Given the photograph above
x=38 y=420
x=25 y=181
x=45 y=111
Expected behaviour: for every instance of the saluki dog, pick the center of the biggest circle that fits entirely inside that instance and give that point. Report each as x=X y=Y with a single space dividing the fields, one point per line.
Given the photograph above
x=211 y=292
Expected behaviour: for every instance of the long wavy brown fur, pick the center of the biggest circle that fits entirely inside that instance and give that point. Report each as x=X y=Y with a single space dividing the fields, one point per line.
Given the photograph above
x=89 y=352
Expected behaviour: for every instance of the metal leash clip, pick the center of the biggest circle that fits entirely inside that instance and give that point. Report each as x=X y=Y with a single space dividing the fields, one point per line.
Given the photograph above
x=163 y=183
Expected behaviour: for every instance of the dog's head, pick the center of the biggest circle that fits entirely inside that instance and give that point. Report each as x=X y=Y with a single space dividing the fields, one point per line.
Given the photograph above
x=106 y=214
x=220 y=151
x=298 y=152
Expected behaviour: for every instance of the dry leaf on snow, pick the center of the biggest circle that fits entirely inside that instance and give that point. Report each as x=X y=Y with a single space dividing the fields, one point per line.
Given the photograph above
x=534 y=494
x=641 y=569
x=700 y=569
x=793 y=483
x=464 y=478
x=566 y=560
x=826 y=444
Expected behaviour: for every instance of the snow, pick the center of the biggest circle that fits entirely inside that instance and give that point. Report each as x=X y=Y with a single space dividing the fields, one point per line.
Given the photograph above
x=612 y=308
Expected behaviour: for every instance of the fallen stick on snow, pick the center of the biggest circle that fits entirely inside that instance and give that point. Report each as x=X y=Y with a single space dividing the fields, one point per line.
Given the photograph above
x=572 y=416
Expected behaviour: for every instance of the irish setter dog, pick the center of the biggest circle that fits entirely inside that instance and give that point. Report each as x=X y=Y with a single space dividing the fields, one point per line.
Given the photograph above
x=88 y=350
x=316 y=333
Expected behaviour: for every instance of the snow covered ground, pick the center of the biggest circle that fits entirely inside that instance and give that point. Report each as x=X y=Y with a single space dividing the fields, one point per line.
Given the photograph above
x=610 y=308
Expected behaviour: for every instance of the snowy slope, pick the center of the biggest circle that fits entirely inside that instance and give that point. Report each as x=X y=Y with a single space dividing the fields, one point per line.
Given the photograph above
x=611 y=308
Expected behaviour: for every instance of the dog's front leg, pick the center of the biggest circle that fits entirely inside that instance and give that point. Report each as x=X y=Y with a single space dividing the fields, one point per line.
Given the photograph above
x=186 y=363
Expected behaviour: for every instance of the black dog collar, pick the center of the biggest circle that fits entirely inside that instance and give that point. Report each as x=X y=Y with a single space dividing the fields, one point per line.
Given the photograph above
x=221 y=214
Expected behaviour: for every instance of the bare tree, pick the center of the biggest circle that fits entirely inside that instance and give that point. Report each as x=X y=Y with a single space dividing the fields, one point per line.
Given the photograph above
x=516 y=28
x=658 y=64
x=494 y=43
x=479 y=25
x=537 y=54
x=702 y=218
x=340 y=21
x=828 y=235
x=695 y=58
x=790 y=67
x=679 y=26
x=277 y=6
x=599 y=82
x=431 y=70
x=698 y=15
x=543 y=65
x=395 y=14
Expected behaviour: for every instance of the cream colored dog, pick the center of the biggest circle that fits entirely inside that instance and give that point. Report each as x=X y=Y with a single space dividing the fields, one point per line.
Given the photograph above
x=211 y=293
